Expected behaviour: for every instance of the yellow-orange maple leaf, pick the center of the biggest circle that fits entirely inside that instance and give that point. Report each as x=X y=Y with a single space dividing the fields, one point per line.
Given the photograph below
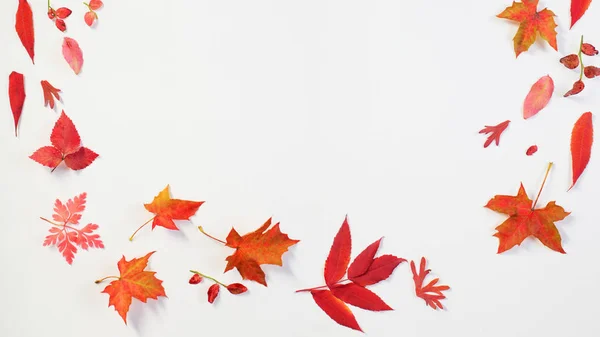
x=133 y=282
x=531 y=22
x=256 y=248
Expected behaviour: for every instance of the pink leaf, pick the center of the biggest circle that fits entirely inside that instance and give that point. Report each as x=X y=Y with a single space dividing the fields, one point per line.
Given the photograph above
x=538 y=96
x=72 y=54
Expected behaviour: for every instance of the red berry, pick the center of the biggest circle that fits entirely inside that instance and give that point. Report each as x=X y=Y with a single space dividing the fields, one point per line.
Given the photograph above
x=577 y=88
x=60 y=24
x=63 y=12
x=570 y=61
x=213 y=292
x=51 y=13
x=588 y=49
x=591 y=71
x=531 y=150
x=195 y=279
x=237 y=288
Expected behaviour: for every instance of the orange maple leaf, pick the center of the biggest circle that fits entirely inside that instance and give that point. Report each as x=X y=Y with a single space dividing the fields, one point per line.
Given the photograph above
x=256 y=248
x=134 y=282
x=524 y=220
x=166 y=210
x=531 y=22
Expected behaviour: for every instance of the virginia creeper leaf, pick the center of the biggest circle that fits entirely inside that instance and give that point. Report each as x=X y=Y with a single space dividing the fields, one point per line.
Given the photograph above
x=72 y=54
x=24 y=27
x=339 y=255
x=431 y=293
x=134 y=282
x=335 y=308
x=256 y=248
x=538 y=97
x=50 y=93
x=531 y=22
x=166 y=209
x=16 y=95
x=359 y=296
x=496 y=131
x=582 y=137
x=578 y=8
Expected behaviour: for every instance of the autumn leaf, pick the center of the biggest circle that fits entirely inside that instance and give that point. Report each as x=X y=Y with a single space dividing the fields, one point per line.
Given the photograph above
x=525 y=220
x=538 y=97
x=24 y=27
x=578 y=8
x=366 y=269
x=72 y=54
x=582 y=137
x=133 y=282
x=16 y=95
x=50 y=93
x=496 y=131
x=166 y=210
x=64 y=235
x=531 y=22
x=66 y=146
x=254 y=249
x=431 y=292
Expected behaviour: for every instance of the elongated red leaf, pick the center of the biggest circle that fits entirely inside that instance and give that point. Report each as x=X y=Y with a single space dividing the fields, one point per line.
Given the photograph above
x=339 y=255
x=363 y=261
x=72 y=54
x=381 y=268
x=581 y=145
x=24 y=27
x=578 y=8
x=359 y=296
x=335 y=308
x=16 y=95
x=538 y=97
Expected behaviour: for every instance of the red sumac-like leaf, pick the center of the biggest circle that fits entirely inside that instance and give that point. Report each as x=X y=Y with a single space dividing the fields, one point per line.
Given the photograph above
x=339 y=255
x=359 y=296
x=363 y=261
x=335 y=308
x=381 y=268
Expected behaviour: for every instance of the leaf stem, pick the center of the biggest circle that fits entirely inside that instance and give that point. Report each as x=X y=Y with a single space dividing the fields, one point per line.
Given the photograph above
x=49 y=4
x=581 y=58
x=210 y=236
x=542 y=187
x=104 y=278
x=316 y=288
x=208 y=277
x=137 y=230
x=57 y=165
x=52 y=222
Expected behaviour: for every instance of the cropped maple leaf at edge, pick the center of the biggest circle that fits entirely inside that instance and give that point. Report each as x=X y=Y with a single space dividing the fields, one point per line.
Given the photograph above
x=64 y=235
x=431 y=293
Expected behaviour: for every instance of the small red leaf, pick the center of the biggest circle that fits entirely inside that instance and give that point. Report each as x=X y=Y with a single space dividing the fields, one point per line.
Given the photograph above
x=72 y=54
x=582 y=137
x=63 y=12
x=60 y=24
x=90 y=17
x=195 y=279
x=213 y=292
x=591 y=71
x=24 y=27
x=237 y=288
x=496 y=131
x=431 y=293
x=538 y=97
x=531 y=150
x=339 y=255
x=381 y=268
x=578 y=8
x=50 y=93
x=589 y=49
x=47 y=156
x=359 y=296
x=335 y=309
x=570 y=61
x=16 y=95
x=578 y=87
x=363 y=261
x=95 y=4
x=80 y=159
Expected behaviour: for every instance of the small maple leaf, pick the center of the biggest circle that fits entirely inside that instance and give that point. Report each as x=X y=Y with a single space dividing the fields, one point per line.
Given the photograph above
x=496 y=131
x=64 y=235
x=531 y=22
x=133 y=282
x=255 y=248
x=66 y=146
x=166 y=210
x=525 y=220
x=431 y=293
x=50 y=93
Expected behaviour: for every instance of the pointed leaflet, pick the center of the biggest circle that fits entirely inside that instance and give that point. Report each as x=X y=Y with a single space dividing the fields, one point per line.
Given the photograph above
x=64 y=135
x=581 y=145
x=256 y=248
x=80 y=159
x=359 y=296
x=16 y=95
x=525 y=221
x=134 y=282
x=339 y=255
x=50 y=93
x=24 y=27
x=167 y=209
x=538 y=97
x=531 y=23
x=578 y=8
x=335 y=308
x=367 y=270
x=431 y=293
x=72 y=54
x=496 y=131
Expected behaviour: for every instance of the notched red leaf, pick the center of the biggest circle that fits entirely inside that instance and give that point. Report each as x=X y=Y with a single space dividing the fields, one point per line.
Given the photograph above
x=431 y=292
x=50 y=93
x=496 y=131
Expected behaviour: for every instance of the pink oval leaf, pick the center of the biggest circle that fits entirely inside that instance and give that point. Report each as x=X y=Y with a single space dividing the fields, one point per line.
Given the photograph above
x=72 y=54
x=538 y=96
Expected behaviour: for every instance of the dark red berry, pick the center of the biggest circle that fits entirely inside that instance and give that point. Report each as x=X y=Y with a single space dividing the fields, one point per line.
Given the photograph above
x=195 y=279
x=588 y=49
x=213 y=292
x=570 y=61
x=60 y=24
x=237 y=288
x=577 y=88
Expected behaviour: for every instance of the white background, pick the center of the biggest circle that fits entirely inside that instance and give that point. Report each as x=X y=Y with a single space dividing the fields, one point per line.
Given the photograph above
x=305 y=111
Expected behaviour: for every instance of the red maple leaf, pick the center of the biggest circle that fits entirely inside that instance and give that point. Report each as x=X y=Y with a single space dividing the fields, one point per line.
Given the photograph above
x=254 y=249
x=431 y=293
x=133 y=282
x=66 y=146
x=50 y=93
x=64 y=235
x=496 y=131
x=364 y=270
x=525 y=220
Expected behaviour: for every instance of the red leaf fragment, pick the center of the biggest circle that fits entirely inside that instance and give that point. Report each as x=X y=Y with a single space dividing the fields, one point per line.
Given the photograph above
x=589 y=49
x=577 y=88
x=431 y=293
x=50 y=93
x=591 y=71
x=570 y=61
x=359 y=296
x=16 y=95
x=339 y=255
x=531 y=150
x=195 y=279
x=24 y=27
x=213 y=292
x=496 y=131
x=237 y=288
x=582 y=137
x=578 y=8
x=335 y=308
